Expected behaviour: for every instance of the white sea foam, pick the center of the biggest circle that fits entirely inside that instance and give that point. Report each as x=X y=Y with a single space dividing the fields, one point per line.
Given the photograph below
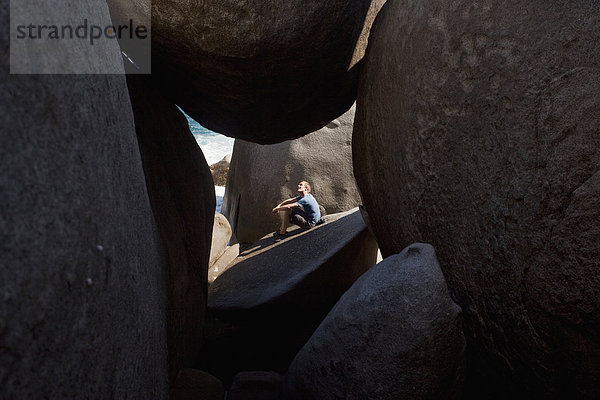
x=220 y=190
x=219 y=193
x=214 y=145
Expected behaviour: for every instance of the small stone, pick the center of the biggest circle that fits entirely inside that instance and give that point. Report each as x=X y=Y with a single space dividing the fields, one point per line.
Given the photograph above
x=255 y=385
x=193 y=384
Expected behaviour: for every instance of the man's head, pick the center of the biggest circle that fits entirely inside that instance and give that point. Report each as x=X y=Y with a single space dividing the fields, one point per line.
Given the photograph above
x=304 y=187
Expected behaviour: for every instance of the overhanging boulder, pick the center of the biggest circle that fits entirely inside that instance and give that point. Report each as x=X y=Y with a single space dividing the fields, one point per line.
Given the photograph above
x=262 y=71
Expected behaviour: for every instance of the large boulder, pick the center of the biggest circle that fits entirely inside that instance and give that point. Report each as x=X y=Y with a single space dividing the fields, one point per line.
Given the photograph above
x=262 y=176
x=183 y=201
x=221 y=234
x=221 y=255
x=270 y=277
x=263 y=71
x=83 y=292
x=395 y=334
x=482 y=124
x=275 y=294
x=223 y=263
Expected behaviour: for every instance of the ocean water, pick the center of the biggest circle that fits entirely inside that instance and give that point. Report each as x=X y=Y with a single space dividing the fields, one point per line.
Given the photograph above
x=214 y=145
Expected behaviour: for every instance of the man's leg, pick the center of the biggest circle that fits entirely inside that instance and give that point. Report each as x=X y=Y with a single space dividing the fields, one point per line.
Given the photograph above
x=285 y=221
x=298 y=218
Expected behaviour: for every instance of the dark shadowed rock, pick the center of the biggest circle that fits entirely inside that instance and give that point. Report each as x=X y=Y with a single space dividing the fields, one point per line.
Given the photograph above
x=482 y=124
x=262 y=176
x=255 y=385
x=83 y=293
x=263 y=71
x=193 y=384
x=183 y=201
x=395 y=334
x=275 y=294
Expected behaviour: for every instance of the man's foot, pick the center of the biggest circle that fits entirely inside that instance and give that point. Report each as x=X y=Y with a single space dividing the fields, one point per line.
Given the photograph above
x=279 y=236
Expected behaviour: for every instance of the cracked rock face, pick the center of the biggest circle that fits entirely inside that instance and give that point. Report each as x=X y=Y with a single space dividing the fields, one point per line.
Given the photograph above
x=483 y=124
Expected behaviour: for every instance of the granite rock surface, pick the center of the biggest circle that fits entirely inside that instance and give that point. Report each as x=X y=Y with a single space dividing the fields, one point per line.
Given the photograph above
x=482 y=124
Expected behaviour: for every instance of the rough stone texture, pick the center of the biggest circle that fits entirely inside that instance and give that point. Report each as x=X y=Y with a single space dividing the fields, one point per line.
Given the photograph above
x=193 y=384
x=183 y=201
x=263 y=71
x=219 y=171
x=273 y=274
x=82 y=280
x=275 y=294
x=223 y=263
x=255 y=385
x=395 y=334
x=221 y=233
x=482 y=123
x=262 y=176
x=135 y=13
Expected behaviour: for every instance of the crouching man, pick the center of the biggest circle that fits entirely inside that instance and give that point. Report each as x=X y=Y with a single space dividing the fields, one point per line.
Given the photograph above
x=302 y=210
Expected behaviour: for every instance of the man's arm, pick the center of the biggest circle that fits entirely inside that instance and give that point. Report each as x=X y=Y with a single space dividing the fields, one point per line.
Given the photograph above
x=288 y=201
x=285 y=205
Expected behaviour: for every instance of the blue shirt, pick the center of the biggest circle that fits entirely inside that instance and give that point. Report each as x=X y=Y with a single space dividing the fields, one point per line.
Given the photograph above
x=310 y=207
